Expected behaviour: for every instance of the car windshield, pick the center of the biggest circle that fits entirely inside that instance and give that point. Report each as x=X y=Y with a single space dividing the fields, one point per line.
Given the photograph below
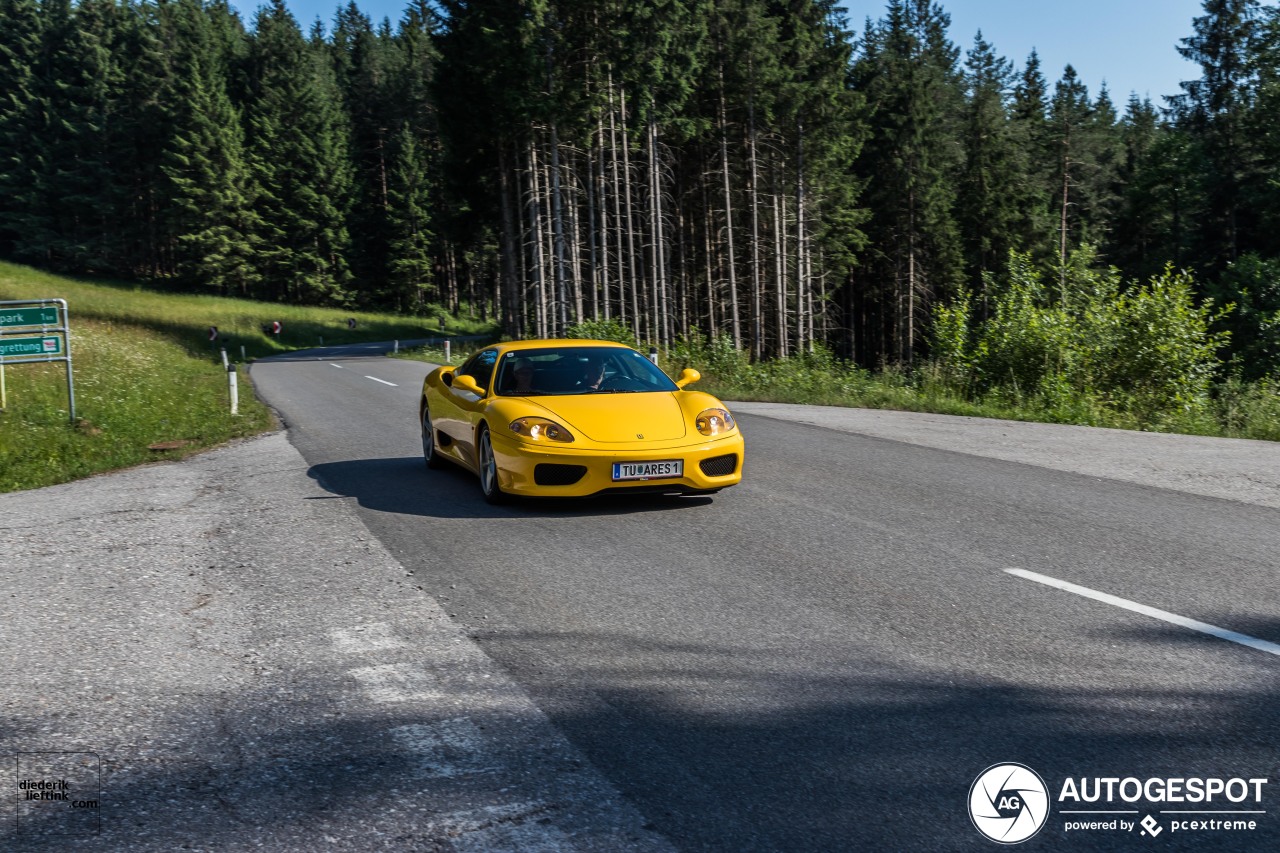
x=557 y=371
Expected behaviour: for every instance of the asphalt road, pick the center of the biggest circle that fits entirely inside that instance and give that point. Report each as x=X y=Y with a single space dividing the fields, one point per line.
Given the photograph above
x=827 y=656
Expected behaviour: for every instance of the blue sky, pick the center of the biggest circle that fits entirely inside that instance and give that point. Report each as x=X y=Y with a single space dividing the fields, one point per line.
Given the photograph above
x=1131 y=44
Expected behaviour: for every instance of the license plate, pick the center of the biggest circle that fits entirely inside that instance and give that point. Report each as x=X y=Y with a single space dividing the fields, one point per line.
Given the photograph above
x=648 y=470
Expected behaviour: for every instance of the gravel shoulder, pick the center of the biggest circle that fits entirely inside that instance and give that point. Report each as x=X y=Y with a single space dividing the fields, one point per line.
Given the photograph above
x=1228 y=468
x=224 y=646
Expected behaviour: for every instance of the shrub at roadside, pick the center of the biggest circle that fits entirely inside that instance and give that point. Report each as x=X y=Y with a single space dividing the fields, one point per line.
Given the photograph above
x=1093 y=352
x=1084 y=350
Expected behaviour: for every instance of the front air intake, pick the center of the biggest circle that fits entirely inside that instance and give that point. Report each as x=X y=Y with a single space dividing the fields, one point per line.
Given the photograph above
x=719 y=466
x=552 y=474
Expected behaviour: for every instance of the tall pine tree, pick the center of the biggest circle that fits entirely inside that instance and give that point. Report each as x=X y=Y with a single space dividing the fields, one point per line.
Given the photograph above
x=908 y=70
x=300 y=162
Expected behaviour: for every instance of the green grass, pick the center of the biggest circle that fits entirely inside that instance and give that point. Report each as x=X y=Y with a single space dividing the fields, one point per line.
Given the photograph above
x=133 y=388
x=145 y=373
x=186 y=318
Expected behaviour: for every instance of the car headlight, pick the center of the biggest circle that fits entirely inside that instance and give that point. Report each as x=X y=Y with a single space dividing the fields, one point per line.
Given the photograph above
x=714 y=422
x=541 y=429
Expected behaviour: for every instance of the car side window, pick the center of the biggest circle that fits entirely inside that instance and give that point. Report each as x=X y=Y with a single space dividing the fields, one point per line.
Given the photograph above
x=480 y=367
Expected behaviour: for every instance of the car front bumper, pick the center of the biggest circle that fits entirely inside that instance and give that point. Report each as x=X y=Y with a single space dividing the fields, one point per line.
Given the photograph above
x=549 y=471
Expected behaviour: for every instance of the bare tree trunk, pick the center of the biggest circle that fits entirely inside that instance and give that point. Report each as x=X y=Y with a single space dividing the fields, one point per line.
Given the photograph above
x=734 y=320
x=908 y=355
x=561 y=313
x=521 y=302
x=470 y=288
x=454 y=297
x=1062 y=227
x=662 y=320
x=780 y=262
x=631 y=228
x=575 y=245
x=682 y=280
x=757 y=296
x=536 y=229
x=708 y=228
x=507 y=288
x=595 y=223
x=655 y=228
x=618 y=226
x=804 y=303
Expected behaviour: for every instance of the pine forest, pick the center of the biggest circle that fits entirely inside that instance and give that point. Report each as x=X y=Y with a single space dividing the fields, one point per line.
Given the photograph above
x=766 y=173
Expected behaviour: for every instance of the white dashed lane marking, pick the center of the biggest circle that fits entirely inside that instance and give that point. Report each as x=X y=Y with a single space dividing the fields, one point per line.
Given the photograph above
x=339 y=366
x=1163 y=615
x=448 y=748
x=398 y=682
x=365 y=638
x=383 y=381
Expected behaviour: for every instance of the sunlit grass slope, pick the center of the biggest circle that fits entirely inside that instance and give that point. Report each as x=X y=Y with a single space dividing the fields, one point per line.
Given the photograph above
x=146 y=374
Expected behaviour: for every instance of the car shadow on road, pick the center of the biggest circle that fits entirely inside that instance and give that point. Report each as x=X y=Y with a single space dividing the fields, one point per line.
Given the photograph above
x=404 y=486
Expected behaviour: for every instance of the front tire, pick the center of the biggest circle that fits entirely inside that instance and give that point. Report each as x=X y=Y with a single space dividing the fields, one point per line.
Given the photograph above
x=429 y=451
x=488 y=465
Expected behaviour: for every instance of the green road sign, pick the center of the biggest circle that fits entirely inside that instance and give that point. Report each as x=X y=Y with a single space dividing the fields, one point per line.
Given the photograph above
x=50 y=346
x=44 y=315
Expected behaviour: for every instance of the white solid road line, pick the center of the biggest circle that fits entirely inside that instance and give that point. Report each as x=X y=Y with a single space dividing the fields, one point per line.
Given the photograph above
x=1154 y=613
x=383 y=381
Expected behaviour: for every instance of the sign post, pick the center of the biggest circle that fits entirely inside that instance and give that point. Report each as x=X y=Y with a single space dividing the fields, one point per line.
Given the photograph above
x=47 y=337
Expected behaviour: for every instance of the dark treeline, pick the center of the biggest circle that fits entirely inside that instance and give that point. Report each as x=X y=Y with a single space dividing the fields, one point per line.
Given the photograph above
x=757 y=169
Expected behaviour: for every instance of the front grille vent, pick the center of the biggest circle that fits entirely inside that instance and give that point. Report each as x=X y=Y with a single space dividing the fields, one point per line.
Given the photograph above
x=719 y=466
x=552 y=474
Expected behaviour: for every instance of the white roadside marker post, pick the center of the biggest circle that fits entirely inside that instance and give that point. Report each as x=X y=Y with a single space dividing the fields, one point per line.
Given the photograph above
x=234 y=388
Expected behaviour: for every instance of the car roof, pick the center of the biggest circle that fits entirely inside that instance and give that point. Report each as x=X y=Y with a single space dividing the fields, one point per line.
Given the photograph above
x=549 y=343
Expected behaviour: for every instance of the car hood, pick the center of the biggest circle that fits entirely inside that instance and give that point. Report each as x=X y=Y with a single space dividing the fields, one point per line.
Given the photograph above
x=616 y=418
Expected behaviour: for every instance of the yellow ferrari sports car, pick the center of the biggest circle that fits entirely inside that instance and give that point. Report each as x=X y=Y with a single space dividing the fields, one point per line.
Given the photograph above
x=571 y=418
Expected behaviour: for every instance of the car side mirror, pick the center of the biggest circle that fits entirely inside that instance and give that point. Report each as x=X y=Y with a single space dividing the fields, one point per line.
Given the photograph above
x=466 y=383
x=687 y=377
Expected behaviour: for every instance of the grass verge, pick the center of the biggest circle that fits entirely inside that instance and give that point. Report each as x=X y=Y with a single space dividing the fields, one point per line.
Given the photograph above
x=145 y=373
x=134 y=388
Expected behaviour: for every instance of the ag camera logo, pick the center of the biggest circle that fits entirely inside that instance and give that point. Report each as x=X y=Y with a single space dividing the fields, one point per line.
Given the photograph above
x=1008 y=803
